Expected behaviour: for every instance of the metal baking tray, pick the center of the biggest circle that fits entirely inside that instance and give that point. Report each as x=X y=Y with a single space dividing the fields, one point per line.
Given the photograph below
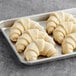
x=41 y=18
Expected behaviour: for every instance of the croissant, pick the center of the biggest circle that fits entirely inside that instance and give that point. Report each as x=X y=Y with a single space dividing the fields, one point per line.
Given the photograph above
x=69 y=43
x=64 y=29
x=56 y=18
x=39 y=47
x=22 y=24
x=29 y=36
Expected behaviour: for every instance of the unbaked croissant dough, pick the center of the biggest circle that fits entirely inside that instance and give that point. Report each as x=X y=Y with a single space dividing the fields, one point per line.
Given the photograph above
x=22 y=24
x=39 y=47
x=62 y=30
x=56 y=18
x=29 y=36
x=69 y=43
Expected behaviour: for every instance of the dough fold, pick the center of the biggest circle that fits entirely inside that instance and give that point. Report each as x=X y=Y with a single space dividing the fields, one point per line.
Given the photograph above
x=39 y=47
x=56 y=18
x=31 y=35
x=69 y=43
x=21 y=25
x=63 y=30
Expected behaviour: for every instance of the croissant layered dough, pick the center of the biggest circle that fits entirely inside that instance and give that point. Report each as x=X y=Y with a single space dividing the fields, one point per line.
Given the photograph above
x=69 y=43
x=62 y=30
x=56 y=18
x=29 y=36
x=63 y=27
x=32 y=40
x=39 y=47
x=21 y=25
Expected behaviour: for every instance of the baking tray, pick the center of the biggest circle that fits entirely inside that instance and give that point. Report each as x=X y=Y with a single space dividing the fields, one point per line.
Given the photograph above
x=41 y=18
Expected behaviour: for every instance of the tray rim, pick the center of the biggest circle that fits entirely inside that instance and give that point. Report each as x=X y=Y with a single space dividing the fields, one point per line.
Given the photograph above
x=41 y=60
x=30 y=16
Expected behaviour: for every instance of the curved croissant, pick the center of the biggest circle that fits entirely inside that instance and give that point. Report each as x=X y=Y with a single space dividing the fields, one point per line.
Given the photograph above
x=62 y=30
x=39 y=47
x=22 y=24
x=69 y=43
x=56 y=18
x=29 y=36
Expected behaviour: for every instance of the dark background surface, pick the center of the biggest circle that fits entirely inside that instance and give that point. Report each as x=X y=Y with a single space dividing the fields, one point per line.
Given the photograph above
x=9 y=66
